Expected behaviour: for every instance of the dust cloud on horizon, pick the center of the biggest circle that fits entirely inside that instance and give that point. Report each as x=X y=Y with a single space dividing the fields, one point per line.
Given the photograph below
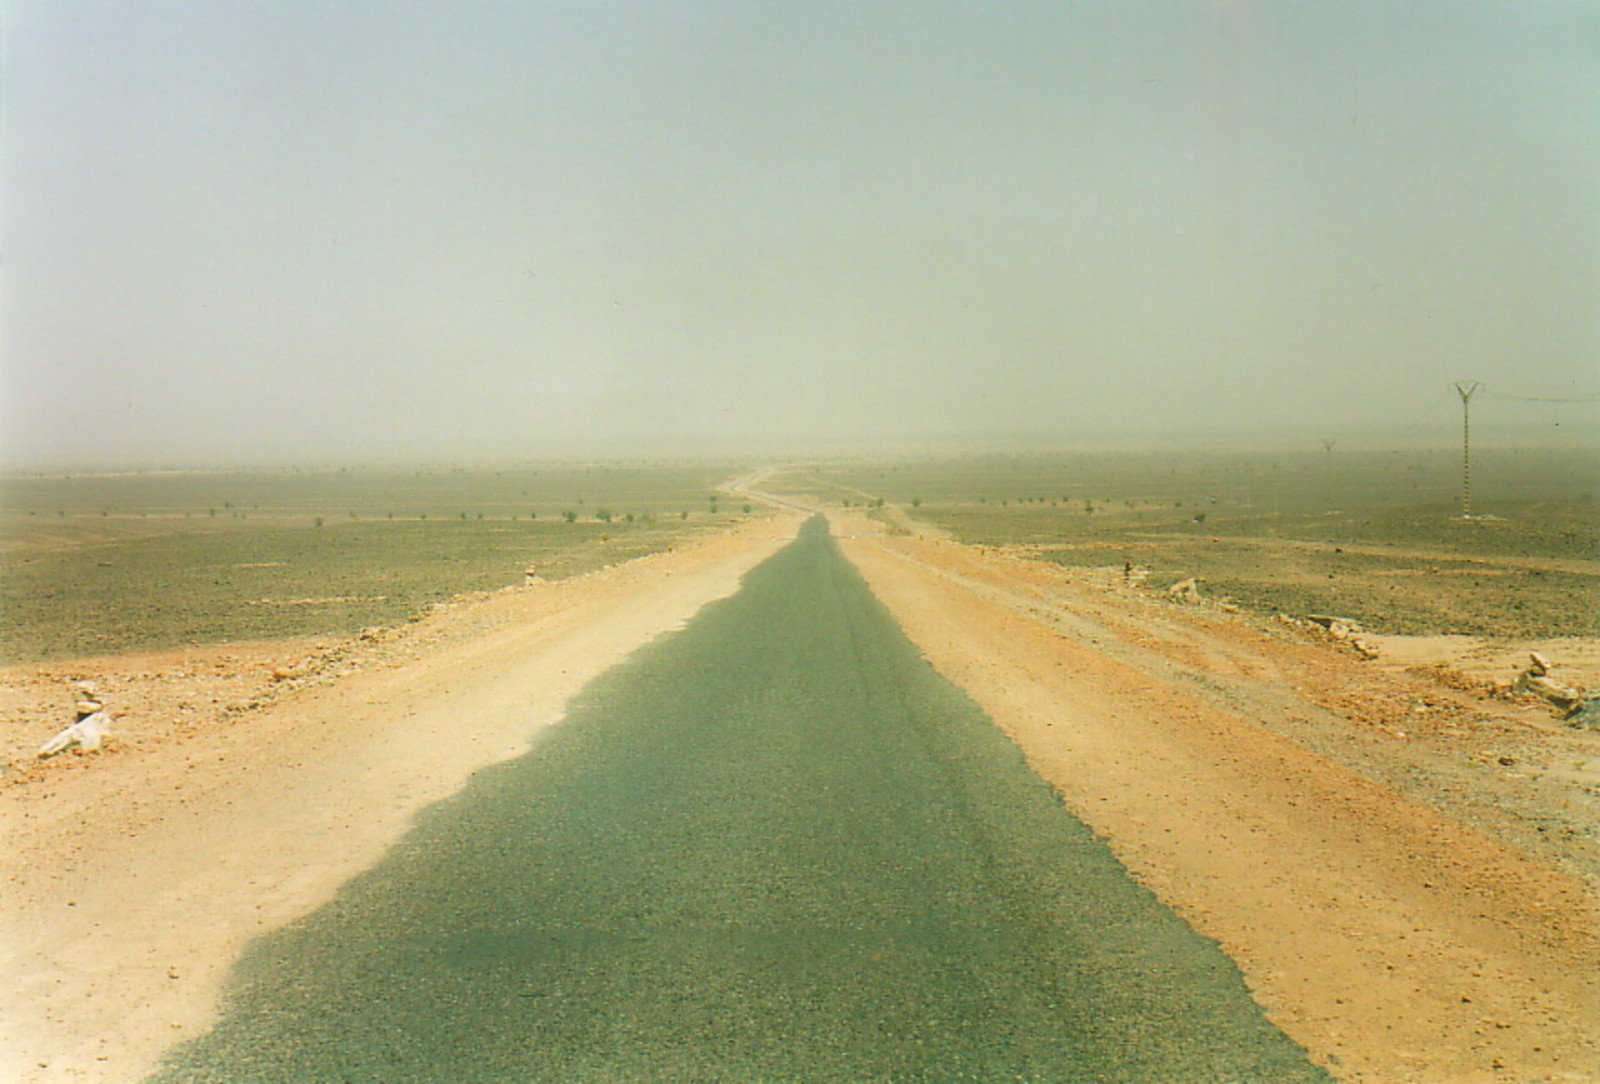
x=267 y=233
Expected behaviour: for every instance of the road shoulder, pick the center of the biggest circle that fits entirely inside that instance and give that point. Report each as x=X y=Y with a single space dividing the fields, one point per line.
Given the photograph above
x=1393 y=941
x=133 y=879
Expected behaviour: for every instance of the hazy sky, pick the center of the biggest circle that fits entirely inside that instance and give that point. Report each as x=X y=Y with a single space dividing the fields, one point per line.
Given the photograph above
x=305 y=229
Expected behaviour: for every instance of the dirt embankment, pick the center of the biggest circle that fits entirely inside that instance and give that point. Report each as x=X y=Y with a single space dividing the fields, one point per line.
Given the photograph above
x=1405 y=874
x=235 y=801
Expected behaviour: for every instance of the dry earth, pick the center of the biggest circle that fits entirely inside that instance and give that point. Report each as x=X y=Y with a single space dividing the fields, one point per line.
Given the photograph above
x=1405 y=870
x=234 y=800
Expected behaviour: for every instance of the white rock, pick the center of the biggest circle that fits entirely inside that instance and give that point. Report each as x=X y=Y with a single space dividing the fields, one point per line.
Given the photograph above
x=87 y=733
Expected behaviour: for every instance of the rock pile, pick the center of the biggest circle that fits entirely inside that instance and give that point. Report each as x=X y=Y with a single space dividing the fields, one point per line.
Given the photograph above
x=1345 y=631
x=1187 y=591
x=1574 y=703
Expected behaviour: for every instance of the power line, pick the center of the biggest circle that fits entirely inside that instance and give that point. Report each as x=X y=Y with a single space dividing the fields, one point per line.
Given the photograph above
x=1541 y=399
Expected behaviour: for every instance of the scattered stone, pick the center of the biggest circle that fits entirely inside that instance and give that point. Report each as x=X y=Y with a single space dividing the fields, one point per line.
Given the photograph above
x=89 y=730
x=1586 y=715
x=1185 y=591
x=1345 y=630
x=1535 y=679
x=1341 y=627
x=1562 y=696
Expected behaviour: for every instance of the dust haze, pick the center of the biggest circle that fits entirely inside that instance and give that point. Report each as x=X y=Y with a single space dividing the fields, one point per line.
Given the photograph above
x=289 y=232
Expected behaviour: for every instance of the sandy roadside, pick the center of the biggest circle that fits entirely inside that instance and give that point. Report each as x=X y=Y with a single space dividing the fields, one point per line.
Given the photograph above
x=133 y=880
x=1390 y=939
x=1395 y=940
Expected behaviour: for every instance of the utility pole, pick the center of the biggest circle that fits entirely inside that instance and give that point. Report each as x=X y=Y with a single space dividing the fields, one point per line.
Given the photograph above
x=1465 y=388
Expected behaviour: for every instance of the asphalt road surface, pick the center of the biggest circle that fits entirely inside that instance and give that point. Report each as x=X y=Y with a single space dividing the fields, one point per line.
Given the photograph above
x=773 y=846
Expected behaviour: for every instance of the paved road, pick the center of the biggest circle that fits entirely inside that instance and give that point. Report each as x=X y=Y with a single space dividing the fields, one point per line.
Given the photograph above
x=773 y=846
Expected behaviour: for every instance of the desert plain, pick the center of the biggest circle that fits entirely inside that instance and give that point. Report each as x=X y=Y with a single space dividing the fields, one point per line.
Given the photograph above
x=1399 y=848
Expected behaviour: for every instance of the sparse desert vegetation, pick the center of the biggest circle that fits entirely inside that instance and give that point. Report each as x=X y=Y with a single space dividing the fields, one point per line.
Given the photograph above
x=1374 y=536
x=1391 y=785
x=101 y=564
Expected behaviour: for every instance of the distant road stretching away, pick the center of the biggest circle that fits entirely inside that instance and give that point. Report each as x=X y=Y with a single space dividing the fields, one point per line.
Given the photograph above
x=773 y=846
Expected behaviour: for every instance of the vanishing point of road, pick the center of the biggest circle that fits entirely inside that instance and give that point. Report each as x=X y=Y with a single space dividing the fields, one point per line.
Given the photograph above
x=773 y=846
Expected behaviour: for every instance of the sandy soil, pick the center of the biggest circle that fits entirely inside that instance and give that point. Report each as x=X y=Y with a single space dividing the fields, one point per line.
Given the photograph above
x=1404 y=869
x=248 y=783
